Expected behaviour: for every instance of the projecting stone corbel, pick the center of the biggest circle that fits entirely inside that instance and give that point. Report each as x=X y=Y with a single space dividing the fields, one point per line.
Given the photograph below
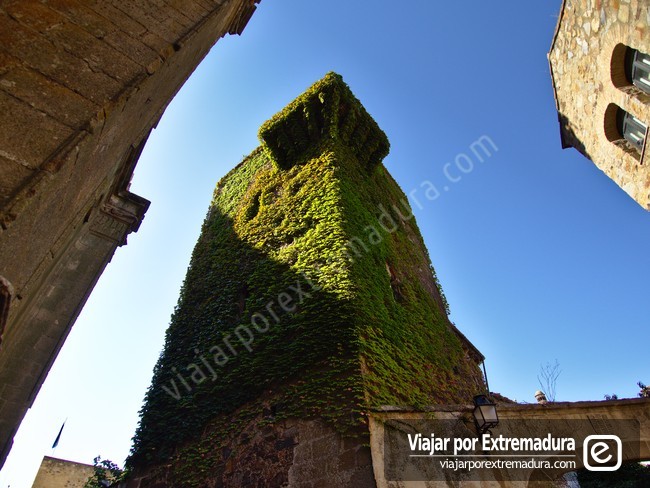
x=119 y=216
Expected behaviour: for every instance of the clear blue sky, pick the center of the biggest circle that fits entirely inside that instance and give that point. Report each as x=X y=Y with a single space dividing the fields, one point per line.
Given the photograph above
x=541 y=256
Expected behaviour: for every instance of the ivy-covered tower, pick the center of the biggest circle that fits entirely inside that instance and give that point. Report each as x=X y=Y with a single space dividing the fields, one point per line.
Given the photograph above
x=309 y=301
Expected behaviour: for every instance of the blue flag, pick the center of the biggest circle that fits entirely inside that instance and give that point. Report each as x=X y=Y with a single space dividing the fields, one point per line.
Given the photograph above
x=58 y=437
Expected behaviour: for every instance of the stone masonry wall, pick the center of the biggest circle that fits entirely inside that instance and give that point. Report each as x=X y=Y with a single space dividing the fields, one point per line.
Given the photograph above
x=58 y=473
x=586 y=69
x=290 y=453
x=516 y=420
x=82 y=84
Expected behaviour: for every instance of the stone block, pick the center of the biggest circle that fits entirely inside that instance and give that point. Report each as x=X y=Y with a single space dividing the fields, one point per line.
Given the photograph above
x=363 y=477
x=158 y=23
x=57 y=101
x=195 y=11
x=134 y=49
x=32 y=14
x=348 y=460
x=364 y=456
x=35 y=135
x=163 y=48
x=122 y=20
x=12 y=177
x=104 y=30
x=324 y=448
x=80 y=14
x=323 y=483
x=62 y=67
x=174 y=14
x=98 y=55
x=8 y=62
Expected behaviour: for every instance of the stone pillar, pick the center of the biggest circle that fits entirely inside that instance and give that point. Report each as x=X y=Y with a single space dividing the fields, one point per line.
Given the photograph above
x=53 y=301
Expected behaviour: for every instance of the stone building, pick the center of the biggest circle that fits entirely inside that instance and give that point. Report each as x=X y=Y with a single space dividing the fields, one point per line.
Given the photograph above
x=59 y=473
x=310 y=300
x=82 y=84
x=600 y=65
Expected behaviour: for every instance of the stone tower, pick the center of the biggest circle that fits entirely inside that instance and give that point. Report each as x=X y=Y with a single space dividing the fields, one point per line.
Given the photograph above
x=310 y=300
x=600 y=65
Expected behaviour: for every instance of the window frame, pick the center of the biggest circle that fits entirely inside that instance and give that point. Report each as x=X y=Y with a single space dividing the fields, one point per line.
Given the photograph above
x=637 y=65
x=626 y=131
x=632 y=129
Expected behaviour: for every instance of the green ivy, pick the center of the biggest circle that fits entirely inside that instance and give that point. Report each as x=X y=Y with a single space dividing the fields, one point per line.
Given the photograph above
x=105 y=473
x=368 y=328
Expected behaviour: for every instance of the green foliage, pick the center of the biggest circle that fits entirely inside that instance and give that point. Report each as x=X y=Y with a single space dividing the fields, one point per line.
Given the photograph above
x=106 y=473
x=409 y=352
x=361 y=336
x=328 y=112
x=443 y=298
x=285 y=223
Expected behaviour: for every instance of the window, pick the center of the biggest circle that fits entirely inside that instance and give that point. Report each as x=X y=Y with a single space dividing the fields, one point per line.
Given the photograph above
x=630 y=71
x=625 y=130
x=637 y=69
x=631 y=128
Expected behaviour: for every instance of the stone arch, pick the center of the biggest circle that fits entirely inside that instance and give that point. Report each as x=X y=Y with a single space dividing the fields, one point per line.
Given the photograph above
x=621 y=72
x=71 y=134
x=618 y=69
x=612 y=124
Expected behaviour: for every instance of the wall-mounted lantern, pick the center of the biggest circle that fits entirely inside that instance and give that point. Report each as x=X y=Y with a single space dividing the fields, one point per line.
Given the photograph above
x=485 y=413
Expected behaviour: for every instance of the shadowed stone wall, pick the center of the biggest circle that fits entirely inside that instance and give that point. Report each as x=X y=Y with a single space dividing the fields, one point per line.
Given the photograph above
x=293 y=452
x=82 y=84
